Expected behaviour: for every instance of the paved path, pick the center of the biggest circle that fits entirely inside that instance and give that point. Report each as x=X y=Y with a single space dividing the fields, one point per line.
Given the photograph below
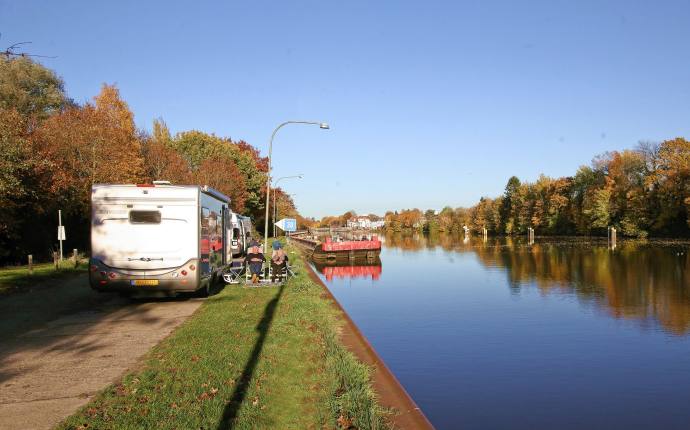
x=50 y=370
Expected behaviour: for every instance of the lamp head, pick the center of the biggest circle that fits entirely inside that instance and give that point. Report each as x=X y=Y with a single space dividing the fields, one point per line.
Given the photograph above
x=324 y=126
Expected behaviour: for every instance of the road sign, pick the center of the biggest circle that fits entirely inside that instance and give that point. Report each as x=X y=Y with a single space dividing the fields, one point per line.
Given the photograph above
x=61 y=233
x=287 y=224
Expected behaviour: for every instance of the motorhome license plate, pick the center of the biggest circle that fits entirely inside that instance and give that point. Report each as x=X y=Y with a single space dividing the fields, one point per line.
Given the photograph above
x=144 y=282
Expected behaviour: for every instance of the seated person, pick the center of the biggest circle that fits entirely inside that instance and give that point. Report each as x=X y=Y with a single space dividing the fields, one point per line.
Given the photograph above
x=255 y=260
x=279 y=260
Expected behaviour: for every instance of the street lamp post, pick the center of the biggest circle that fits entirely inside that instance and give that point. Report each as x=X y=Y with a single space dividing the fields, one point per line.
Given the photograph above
x=323 y=126
x=275 y=189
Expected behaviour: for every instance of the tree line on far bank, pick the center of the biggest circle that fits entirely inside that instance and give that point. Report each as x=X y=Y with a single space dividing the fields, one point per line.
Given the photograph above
x=641 y=192
x=52 y=150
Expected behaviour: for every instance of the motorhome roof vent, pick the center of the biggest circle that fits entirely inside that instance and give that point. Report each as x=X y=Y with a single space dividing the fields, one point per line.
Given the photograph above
x=161 y=182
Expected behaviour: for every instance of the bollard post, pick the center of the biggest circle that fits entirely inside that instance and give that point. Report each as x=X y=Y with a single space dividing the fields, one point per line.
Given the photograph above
x=55 y=260
x=75 y=257
x=31 y=264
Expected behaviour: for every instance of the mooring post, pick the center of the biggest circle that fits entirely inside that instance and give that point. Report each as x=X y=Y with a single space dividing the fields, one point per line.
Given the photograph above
x=31 y=264
x=608 y=235
x=611 y=237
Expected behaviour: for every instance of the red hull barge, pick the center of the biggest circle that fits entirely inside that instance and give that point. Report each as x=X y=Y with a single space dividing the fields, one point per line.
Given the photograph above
x=349 y=249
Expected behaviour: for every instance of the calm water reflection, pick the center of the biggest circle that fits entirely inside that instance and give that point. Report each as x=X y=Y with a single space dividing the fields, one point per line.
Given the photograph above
x=501 y=334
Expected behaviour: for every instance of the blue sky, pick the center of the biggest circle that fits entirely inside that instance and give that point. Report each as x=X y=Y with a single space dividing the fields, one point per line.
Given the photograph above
x=431 y=103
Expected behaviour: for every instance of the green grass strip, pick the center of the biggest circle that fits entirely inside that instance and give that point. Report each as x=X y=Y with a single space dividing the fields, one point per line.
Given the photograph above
x=249 y=358
x=14 y=279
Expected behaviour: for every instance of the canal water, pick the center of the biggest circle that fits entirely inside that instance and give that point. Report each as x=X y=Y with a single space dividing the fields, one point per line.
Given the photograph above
x=561 y=334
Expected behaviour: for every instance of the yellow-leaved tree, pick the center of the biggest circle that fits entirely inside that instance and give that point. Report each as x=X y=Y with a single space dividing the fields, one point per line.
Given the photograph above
x=96 y=143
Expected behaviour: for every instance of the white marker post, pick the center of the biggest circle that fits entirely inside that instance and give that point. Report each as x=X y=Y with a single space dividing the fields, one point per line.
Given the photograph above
x=61 y=232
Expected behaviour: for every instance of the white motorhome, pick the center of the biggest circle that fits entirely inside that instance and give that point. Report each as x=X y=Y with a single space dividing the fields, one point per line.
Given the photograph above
x=239 y=234
x=157 y=239
x=247 y=228
x=236 y=233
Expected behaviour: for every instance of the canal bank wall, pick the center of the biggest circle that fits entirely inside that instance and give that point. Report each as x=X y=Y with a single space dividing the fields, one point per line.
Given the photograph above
x=407 y=414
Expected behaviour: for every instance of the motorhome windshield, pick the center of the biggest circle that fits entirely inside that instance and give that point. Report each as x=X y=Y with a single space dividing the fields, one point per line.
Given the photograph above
x=145 y=217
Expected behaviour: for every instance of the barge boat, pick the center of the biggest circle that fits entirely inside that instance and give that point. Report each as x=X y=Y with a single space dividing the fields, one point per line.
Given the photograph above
x=329 y=249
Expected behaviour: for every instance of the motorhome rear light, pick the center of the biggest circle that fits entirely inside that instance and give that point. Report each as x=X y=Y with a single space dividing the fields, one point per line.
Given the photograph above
x=184 y=273
x=192 y=267
x=94 y=268
x=111 y=275
x=103 y=274
x=103 y=282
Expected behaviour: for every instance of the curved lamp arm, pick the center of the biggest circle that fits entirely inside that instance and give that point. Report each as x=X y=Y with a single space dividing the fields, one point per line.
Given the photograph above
x=323 y=126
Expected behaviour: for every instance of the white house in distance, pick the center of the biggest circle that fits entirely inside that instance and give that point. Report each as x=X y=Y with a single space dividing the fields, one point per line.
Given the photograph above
x=365 y=223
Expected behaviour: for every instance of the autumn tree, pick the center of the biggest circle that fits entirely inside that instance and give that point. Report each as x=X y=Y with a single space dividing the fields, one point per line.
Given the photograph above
x=196 y=146
x=161 y=160
x=223 y=175
x=431 y=224
x=29 y=88
x=671 y=179
x=511 y=205
x=445 y=219
x=625 y=180
x=96 y=143
x=284 y=205
x=20 y=184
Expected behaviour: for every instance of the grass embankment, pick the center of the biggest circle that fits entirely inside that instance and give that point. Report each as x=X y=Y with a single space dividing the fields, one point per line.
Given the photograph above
x=249 y=358
x=15 y=279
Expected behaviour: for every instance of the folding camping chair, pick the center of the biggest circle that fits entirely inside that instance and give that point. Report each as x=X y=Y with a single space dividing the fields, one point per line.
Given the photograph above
x=233 y=273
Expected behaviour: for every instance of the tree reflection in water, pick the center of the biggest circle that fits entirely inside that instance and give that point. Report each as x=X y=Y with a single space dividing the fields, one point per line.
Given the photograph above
x=640 y=280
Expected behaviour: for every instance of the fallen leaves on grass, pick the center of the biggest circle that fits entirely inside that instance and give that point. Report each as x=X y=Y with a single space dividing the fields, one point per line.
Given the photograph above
x=208 y=395
x=344 y=422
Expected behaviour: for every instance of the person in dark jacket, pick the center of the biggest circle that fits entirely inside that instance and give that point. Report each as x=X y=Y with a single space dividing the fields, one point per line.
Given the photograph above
x=279 y=260
x=255 y=260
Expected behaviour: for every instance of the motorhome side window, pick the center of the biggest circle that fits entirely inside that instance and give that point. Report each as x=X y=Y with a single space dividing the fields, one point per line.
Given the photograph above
x=145 y=217
x=205 y=215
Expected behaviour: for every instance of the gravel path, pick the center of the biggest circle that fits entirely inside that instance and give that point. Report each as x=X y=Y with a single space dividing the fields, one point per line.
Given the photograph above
x=55 y=354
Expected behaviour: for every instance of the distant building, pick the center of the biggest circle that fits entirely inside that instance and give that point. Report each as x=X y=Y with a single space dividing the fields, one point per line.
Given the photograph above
x=365 y=223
